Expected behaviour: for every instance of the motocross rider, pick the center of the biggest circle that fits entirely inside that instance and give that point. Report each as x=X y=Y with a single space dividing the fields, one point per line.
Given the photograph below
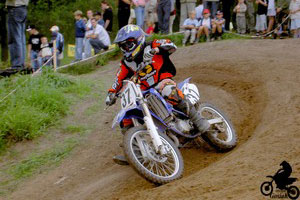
x=159 y=74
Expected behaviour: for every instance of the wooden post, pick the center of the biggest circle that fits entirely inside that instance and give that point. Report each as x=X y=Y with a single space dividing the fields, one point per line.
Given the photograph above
x=54 y=55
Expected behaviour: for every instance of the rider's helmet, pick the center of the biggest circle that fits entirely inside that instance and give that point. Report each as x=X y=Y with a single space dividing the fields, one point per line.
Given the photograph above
x=131 y=40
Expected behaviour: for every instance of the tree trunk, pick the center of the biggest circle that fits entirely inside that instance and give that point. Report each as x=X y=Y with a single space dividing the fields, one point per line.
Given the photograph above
x=3 y=31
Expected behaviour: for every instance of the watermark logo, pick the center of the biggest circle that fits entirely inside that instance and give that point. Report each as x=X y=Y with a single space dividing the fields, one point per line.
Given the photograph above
x=283 y=182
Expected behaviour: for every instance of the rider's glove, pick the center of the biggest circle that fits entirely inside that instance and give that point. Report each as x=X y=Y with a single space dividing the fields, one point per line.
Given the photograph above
x=110 y=99
x=148 y=54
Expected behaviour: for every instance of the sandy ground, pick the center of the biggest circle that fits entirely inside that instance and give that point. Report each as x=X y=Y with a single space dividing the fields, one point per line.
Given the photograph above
x=256 y=82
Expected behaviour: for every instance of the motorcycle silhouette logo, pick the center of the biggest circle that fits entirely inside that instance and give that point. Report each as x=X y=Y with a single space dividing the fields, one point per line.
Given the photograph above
x=283 y=182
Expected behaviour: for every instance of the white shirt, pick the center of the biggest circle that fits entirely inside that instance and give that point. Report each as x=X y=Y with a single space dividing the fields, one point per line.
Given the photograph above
x=88 y=25
x=295 y=5
x=199 y=11
x=45 y=50
x=102 y=34
x=205 y=22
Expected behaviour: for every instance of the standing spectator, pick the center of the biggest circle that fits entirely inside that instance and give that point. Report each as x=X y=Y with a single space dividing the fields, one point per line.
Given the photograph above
x=190 y=27
x=163 y=13
x=261 y=16
x=34 y=47
x=98 y=17
x=45 y=52
x=17 y=14
x=123 y=12
x=150 y=11
x=186 y=6
x=172 y=16
x=240 y=10
x=250 y=16
x=107 y=16
x=79 y=34
x=199 y=11
x=212 y=5
x=131 y=19
x=99 y=39
x=218 y=26
x=295 y=17
x=227 y=7
x=282 y=12
x=88 y=30
x=271 y=15
x=205 y=25
x=59 y=38
x=139 y=12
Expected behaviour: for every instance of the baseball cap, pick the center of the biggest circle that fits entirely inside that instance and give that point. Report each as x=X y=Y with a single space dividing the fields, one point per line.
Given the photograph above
x=206 y=11
x=54 y=28
x=30 y=27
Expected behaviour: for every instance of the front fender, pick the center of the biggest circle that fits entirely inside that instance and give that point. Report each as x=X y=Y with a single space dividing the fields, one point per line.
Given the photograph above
x=125 y=114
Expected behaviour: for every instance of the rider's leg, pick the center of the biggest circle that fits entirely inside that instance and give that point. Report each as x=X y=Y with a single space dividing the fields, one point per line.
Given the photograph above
x=175 y=97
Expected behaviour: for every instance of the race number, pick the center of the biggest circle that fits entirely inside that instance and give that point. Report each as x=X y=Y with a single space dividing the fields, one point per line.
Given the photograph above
x=191 y=92
x=128 y=97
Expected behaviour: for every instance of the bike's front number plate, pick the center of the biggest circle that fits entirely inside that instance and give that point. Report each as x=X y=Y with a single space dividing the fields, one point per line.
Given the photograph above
x=128 y=97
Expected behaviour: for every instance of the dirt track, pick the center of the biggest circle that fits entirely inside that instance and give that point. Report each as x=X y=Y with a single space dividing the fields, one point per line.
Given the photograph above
x=258 y=90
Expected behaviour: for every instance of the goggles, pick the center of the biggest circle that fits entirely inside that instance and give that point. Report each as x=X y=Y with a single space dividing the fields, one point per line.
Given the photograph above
x=128 y=45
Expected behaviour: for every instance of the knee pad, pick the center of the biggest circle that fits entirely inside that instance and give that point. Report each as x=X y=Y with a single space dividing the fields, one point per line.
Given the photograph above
x=172 y=94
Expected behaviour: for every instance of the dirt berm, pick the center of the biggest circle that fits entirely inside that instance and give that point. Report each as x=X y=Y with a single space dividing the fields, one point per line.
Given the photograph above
x=256 y=82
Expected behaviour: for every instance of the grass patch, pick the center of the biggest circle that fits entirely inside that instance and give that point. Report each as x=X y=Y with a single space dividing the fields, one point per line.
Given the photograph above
x=175 y=38
x=91 y=65
x=38 y=103
x=74 y=129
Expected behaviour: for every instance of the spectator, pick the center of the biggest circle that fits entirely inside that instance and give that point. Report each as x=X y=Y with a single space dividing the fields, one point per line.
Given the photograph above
x=45 y=52
x=218 y=26
x=250 y=19
x=190 y=27
x=150 y=28
x=88 y=30
x=150 y=11
x=240 y=10
x=34 y=46
x=205 y=25
x=199 y=11
x=163 y=13
x=212 y=5
x=123 y=12
x=227 y=8
x=79 y=34
x=186 y=6
x=261 y=16
x=172 y=16
x=17 y=14
x=139 y=12
x=271 y=15
x=99 y=39
x=98 y=17
x=282 y=12
x=59 y=38
x=107 y=16
x=131 y=19
x=295 y=17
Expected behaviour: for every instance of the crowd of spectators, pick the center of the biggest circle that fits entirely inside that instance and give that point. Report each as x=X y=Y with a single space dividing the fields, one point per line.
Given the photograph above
x=198 y=18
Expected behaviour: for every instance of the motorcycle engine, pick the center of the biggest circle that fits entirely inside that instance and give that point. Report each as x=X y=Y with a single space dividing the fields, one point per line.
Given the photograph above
x=183 y=126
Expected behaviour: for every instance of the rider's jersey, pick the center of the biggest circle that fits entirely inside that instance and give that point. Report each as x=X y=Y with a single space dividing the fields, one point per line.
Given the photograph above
x=161 y=67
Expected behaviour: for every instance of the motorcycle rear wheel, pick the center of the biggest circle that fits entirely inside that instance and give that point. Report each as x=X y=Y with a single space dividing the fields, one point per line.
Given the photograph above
x=155 y=168
x=224 y=140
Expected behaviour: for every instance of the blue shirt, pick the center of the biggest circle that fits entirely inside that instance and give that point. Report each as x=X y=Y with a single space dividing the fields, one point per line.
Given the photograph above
x=79 y=28
x=189 y=22
x=101 y=22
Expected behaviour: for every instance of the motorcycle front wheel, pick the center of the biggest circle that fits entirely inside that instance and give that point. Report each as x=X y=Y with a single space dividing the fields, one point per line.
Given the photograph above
x=156 y=168
x=293 y=192
x=221 y=136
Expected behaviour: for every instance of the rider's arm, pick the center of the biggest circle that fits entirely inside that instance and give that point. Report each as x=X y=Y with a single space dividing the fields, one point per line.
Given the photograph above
x=122 y=74
x=164 y=46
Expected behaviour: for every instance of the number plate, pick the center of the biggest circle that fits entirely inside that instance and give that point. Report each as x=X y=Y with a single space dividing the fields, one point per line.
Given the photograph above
x=128 y=97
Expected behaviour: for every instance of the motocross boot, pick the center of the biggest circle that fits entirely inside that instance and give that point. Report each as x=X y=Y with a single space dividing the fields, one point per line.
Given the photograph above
x=189 y=109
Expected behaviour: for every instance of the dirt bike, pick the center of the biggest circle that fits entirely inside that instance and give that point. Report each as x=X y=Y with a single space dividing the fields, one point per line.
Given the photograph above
x=266 y=187
x=151 y=146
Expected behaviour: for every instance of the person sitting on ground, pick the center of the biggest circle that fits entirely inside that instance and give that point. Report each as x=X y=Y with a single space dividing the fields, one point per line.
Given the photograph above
x=205 y=25
x=46 y=51
x=99 y=18
x=295 y=18
x=99 y=38
x=190 y=28
x=261 y=16
x=59 y=38
x=240 y=10
x=218 y=26
x=150 y=28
